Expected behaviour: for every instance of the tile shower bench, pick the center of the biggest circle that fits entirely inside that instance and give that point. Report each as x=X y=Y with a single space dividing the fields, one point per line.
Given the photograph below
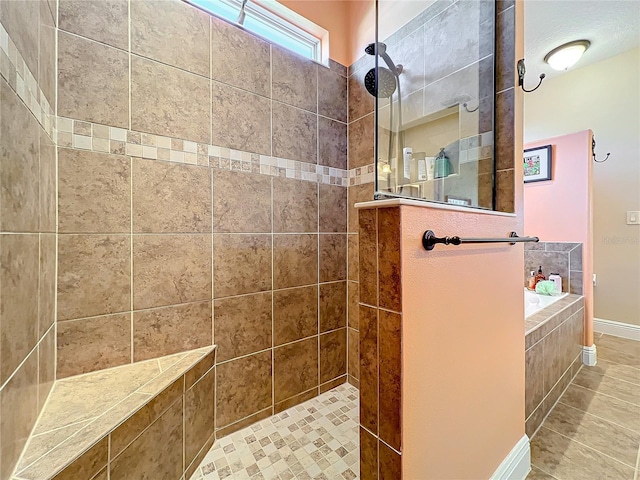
x=152 y=418
x=553 y=356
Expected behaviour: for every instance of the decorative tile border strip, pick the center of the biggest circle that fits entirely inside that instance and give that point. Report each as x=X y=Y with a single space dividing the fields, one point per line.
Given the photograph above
x=361 y=175
x=24 y=83
x=476 y=147
x=472 y=149
x=105 y=139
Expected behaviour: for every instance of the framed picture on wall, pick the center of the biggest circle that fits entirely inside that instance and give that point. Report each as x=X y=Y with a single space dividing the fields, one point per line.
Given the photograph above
x=537 y=164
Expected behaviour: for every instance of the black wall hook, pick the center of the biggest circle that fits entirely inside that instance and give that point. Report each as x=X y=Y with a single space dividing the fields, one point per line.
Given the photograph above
x=521 y=72
x=466 y=107
x=593 y=151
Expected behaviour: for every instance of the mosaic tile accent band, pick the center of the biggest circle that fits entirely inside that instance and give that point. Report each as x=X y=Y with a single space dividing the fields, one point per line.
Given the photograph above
x=362 y=175
x=95 y=137
x=15 y=71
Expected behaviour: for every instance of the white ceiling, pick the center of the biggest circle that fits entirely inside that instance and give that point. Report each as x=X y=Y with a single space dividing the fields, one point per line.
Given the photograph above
x=612 y=27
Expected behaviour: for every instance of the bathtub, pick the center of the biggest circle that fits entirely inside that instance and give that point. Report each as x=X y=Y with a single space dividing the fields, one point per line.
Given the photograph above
x=534 y=303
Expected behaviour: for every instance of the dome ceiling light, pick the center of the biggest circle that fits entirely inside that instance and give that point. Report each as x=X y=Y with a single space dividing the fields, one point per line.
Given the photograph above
x=564 y=56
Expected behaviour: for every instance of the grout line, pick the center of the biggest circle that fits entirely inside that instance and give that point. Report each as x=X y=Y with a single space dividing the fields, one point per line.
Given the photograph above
x=377 y=257
x=210 y=80
x=108 y=467
x=604 y=394
x=137 y=311
x=213 y=325
x=241 y=420
x=584 y=412
x=544 y=471
x=275 y=347
x=319 y=361
x=273 y=355
x=131 y=259
x=24 y=360
x=592 y=414
x=586 y=446
x=620 y=364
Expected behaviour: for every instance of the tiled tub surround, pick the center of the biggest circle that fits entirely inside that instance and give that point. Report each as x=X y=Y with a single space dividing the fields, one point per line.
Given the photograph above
x=594 y=430
x=563 y=258
x=27 y=221
x=109 y=424
x=553 y=356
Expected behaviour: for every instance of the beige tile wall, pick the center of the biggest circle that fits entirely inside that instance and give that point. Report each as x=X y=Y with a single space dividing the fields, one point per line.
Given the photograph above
x=361 y=189
x=380 y=331
x=27 y=221
x=207 y=209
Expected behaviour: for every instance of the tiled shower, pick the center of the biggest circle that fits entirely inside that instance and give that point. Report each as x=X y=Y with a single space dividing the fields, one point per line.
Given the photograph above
x=215 y=216
x=178 y=183
x=201 y=198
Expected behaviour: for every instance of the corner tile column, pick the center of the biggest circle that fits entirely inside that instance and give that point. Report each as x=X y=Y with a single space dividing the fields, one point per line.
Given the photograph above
x=380 y=344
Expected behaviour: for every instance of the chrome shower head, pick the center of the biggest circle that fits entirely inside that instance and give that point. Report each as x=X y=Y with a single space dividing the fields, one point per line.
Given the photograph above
x=383 y=86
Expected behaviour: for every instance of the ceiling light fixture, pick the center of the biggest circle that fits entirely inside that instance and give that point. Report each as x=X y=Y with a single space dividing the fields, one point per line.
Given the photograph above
x=564 y=56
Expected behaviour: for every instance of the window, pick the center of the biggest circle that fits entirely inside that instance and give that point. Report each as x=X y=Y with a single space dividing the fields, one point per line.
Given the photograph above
x=276 y=23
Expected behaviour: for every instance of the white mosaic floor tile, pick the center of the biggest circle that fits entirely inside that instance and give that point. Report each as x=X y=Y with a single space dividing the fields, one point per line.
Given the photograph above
x=316 y=440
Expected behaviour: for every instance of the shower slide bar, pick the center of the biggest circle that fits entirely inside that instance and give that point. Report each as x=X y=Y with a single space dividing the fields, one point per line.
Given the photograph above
x=429 y=240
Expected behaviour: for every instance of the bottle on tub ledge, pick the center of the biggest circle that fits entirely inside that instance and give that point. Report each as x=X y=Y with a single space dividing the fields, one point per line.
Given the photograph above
x=557 y=279
x=531 y=283
x=539 y=277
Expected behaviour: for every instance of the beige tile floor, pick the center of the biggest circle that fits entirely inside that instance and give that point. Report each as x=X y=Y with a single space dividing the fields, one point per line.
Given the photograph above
x=593 y=433
x=317 y=439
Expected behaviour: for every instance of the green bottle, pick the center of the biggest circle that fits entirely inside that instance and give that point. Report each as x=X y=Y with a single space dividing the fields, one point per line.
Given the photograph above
x=442 y=166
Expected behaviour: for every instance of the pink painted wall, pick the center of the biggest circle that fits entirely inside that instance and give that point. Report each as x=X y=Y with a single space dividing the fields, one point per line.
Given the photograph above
x=332 y=15
x=463 y=346
x=561 y=210
x=463 y=335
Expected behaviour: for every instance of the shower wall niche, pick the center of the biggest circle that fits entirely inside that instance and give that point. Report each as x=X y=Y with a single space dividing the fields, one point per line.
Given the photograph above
x=435 y=105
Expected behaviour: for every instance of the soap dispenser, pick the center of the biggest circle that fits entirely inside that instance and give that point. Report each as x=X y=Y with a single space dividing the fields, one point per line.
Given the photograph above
x=442 y=165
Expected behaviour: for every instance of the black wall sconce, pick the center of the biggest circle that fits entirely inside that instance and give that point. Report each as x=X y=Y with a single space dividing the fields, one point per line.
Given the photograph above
x=521 y=72
x=593 y=151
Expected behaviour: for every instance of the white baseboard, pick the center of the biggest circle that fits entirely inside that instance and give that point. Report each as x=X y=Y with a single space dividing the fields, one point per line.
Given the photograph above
x=516 y=465
x=617 y=329
x=589 y=356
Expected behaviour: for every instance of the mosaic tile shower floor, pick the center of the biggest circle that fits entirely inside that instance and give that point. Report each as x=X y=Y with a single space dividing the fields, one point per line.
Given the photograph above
x=317 y=439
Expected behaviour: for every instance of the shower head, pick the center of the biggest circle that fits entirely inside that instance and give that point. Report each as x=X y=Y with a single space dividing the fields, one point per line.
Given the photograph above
x=382 y=87
x=382 y=51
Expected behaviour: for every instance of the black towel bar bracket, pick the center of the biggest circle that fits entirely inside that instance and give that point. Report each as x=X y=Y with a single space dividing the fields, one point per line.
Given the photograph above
x=429 y=240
